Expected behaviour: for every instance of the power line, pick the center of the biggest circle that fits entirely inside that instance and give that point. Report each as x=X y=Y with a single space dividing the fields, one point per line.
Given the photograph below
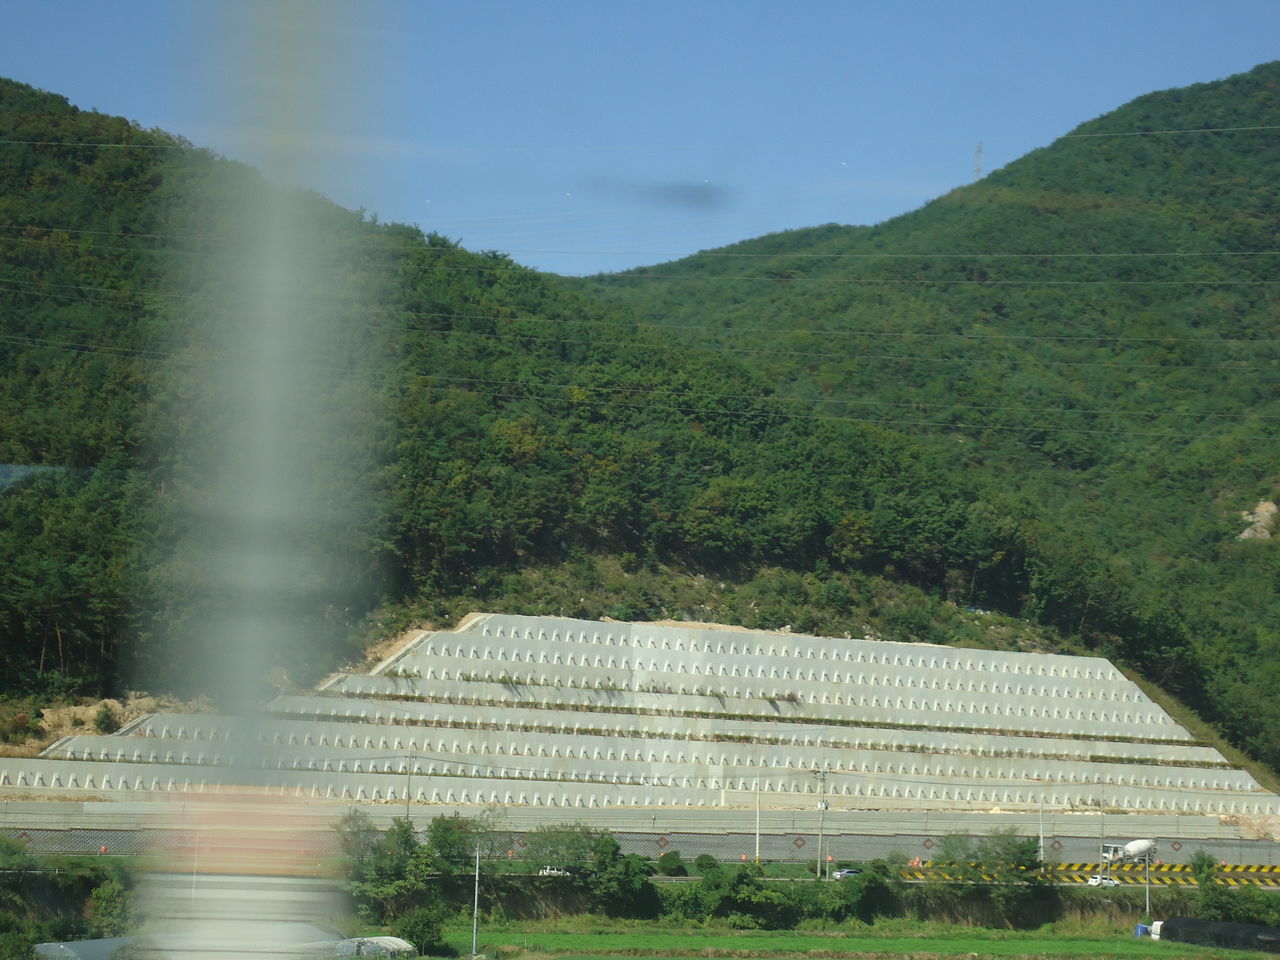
x=109 y=233
x=1066 y=136
x=916 y=281
x=691 y=328
x=1154 y=133
x=907 y=358
x=85 y=143
x=718 y=330
x=141 y=354
x=924 y=255
x=869 y=281
x=827 y=331
x=806 y=354
x=126 y=352
x=676 y=406
x=82 y=286
x=879 y=255
x=744 y=331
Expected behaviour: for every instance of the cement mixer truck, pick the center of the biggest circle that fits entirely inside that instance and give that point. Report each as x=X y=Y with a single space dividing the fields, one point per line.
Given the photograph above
x=1135 y=851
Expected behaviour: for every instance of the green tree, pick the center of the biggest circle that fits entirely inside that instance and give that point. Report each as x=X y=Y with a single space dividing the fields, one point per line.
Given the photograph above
x=111 y=911
x=15 y=946
x=357 y=839
x=424 y=928
x=879 y=890
x=451 y=842
x=670 y=865
x=1001 y=869
x=749 y=903
x=1008 y=857
x=395 y=876
x=567 y=846
x=619 y=886
x=1214 y=901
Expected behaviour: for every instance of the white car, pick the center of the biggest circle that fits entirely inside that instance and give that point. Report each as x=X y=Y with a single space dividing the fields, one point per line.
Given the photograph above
x=553 y=872
x=1097 y=880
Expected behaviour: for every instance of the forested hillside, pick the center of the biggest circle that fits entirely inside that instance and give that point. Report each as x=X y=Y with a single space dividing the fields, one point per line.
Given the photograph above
x=945 y=404
x=522 y=425
x=1093 y=328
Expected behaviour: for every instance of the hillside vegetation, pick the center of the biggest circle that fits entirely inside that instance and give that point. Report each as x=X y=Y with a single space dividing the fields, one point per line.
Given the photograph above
x=836 y=428
x=1090 y=330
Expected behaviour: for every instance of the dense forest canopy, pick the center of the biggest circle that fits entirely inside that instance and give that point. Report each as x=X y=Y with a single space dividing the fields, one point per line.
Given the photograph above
x=1092 y=327
x=1049 y=393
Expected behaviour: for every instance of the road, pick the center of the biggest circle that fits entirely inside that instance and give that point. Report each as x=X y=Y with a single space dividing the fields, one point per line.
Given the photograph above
x=728 y=834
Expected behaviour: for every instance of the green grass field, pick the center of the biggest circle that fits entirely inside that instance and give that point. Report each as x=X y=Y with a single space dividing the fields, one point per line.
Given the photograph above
x=881 y=942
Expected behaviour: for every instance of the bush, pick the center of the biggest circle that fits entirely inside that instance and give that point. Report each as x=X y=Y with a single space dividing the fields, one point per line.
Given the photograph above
x=681 y=901
x=422 y=927
x=111 y=911
x=670 y=865
x=705 y=863
x=619 y=886
x=104 y=721
x=18 y=727
x=14 y=946
x=748 y=903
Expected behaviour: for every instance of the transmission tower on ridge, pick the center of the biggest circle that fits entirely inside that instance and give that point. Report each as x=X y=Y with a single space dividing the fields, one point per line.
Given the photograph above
x=977 y=162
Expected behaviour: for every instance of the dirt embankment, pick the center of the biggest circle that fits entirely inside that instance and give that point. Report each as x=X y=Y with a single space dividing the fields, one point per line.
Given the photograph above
x=96 y=716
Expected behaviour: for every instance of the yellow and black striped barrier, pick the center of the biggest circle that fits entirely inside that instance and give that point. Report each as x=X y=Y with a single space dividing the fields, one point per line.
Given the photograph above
x=1125 y=874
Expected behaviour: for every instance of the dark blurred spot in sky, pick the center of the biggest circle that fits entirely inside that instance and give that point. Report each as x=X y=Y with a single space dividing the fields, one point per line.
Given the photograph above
x=698 y=195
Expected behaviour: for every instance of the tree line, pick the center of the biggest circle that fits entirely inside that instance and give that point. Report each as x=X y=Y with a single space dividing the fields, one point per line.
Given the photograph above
x=420 y=884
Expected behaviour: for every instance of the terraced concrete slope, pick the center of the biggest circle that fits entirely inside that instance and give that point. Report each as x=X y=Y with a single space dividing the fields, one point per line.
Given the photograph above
x=552 y=712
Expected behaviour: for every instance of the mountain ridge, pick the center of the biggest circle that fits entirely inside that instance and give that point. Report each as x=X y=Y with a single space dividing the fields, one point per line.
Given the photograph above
x=1091 y=325
x=1026 y=437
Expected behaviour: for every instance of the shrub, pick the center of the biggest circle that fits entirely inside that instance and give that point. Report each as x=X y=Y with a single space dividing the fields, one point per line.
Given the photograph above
x=104 y=721
x=422 y=927
x=681 y=901
x=705 y=863
x=670 y=865
x=19 y=727
x=14 y=946
x=110 y=911
x=748 y=904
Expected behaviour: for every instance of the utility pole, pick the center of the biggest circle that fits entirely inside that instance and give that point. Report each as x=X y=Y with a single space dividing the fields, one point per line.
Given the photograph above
x=475 y=905
x=822 y=812
x=757 y=819
x=1040 y=853
x=1147 y=918
x=1102 y=843
x=408 y=782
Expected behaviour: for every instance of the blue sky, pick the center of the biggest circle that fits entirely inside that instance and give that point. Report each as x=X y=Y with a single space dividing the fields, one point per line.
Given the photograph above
x=592 y=136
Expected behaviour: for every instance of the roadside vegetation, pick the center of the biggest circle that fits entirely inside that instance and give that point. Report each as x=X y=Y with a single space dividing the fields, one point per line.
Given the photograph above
x=45 y=899
x=565 y=884
x=568 y=890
